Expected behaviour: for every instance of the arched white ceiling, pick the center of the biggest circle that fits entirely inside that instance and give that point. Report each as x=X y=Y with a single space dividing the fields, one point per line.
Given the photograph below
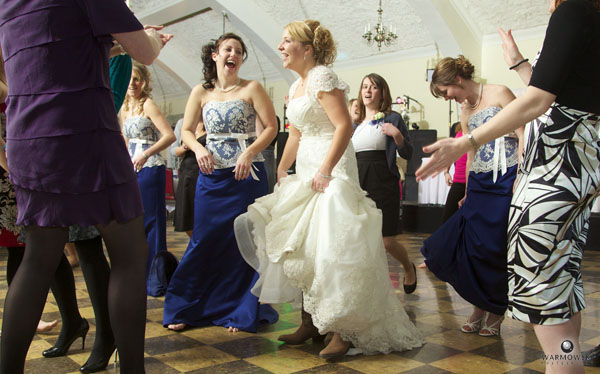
x=423 y=27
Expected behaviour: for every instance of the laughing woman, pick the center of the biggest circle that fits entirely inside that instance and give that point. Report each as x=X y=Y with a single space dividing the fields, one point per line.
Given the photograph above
x=559 y=178
x=148 y=133
x=469 y=250
x=317 y=238
x=211 y=285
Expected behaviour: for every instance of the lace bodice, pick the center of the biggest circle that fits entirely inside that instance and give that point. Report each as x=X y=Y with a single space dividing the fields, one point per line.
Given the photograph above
x=141 y=135
x=305 y=112
x=230 y=126
x=484 y=157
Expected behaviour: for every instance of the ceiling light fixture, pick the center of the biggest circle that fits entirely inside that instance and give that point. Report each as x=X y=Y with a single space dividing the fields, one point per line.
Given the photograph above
x=382 y=34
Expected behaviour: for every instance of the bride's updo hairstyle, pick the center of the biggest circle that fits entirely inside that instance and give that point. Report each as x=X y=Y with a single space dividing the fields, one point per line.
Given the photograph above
x=447 y=70
x=210 y=67
x=311 y=32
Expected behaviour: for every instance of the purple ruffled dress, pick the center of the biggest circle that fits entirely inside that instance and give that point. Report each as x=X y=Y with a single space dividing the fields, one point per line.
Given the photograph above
x=68 y=161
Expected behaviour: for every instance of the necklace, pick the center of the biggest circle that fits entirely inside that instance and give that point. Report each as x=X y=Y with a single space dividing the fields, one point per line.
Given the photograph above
x=474 y=106
x=230 y=88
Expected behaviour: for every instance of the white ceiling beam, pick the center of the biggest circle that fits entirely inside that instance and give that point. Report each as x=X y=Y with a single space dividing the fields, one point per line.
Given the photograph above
x=186 y=72
x=259 y=27
x=246 y=17
x=438 y=27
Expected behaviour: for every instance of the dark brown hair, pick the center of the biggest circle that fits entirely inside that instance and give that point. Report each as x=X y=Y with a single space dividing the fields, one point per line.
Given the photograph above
x=210 y=67
x=447 y=70
x=385 y=105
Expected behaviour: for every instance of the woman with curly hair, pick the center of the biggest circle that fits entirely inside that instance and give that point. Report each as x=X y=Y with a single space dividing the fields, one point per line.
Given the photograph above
x=212 y=283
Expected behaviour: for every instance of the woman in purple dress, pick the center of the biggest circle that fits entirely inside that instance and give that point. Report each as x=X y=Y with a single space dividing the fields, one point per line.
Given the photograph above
x=68 y=161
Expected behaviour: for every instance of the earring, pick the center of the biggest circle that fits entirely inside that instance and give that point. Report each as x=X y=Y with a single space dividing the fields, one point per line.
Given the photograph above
x=304 y=57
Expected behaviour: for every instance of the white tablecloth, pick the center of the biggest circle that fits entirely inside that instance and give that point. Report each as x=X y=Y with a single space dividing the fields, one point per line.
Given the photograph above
x=434 y=190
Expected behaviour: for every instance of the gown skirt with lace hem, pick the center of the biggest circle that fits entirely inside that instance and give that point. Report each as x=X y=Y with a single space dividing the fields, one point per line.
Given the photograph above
x=325 y=249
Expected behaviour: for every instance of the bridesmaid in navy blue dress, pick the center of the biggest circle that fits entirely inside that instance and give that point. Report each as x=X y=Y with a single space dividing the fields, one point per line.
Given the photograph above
x=148 y=133
x=469 y=250
x=212 y=283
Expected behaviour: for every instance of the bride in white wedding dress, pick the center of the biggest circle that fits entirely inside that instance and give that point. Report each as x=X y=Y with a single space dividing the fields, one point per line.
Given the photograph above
x=316 y=241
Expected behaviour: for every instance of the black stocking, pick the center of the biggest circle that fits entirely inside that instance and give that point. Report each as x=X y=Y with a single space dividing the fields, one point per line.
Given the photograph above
x=27 y=294
x=15 y=256
x=128 y=251
x=96 y=272
x=63 y=289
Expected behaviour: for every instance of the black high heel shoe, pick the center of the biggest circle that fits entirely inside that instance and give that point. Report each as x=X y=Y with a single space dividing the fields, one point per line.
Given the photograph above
x=58 y=351
x=94 y=367
x=410 y=288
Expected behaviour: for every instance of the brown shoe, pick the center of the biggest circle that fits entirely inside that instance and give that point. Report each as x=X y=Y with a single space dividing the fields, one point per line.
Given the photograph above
x=306 y=331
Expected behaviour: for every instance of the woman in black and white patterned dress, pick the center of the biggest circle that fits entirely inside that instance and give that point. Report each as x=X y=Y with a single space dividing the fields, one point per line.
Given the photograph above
x=558 y=179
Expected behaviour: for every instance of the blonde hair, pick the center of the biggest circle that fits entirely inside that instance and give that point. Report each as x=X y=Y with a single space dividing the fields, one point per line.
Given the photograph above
x=447 y=70
x=145 y=76
x=310 y=32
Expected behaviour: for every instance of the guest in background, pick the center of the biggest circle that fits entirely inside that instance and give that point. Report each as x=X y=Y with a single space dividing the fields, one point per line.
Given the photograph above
x=377 y=141
x=457 y=181
x=353 y=108
x=186 y=187
x=148 y=133
x=269 y=156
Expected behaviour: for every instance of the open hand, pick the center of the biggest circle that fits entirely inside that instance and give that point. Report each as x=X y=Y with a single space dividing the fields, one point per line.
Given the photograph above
x=511 y=52
x=444 y=153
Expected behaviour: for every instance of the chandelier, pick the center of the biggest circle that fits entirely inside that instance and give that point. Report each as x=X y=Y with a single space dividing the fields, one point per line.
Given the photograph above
x=382 y=34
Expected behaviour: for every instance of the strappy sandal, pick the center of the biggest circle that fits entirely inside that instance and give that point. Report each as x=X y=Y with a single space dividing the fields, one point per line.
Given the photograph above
x=472 y=326
x=491 y=330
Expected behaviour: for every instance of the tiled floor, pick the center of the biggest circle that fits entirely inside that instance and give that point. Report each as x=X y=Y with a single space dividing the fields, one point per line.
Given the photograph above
x=435 y=308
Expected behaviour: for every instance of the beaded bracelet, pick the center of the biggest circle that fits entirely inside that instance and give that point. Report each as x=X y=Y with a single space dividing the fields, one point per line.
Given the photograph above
x=518 y=63
x=325 y=176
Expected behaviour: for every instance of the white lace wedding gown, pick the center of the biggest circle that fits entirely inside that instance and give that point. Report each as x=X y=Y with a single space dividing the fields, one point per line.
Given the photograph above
x=325 y=249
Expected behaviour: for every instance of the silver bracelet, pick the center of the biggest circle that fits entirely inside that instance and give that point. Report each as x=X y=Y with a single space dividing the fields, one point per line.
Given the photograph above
x=325 y=176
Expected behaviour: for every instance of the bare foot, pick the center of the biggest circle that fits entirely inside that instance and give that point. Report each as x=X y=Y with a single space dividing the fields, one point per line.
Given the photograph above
x=422 y=266
x=44 y=326
x=176 y=326
x=71 y=255
x=233 y=329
